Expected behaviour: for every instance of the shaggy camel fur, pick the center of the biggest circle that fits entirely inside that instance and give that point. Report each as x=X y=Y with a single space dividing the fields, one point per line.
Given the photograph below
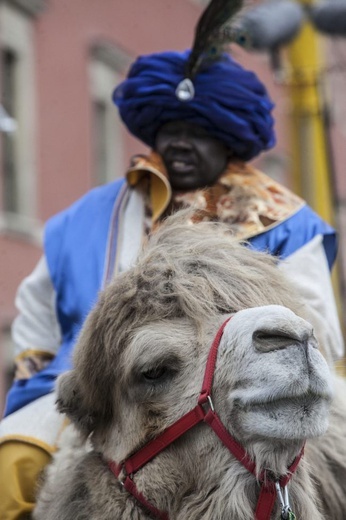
x=139 y=366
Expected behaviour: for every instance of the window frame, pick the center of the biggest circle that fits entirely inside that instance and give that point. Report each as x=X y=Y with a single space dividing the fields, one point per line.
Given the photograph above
x=17 y=36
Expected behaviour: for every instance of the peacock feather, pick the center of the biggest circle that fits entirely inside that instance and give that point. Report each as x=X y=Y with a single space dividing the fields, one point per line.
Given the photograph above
x=211 y=34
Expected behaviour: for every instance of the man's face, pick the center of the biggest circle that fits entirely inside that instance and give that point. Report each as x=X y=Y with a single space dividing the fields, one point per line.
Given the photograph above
x=192 y=157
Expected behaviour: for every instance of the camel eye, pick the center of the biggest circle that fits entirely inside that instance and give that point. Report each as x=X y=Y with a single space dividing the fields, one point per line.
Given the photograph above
x=156 y=374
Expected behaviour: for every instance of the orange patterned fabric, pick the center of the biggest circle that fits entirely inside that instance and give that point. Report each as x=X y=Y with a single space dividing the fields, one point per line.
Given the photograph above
x=245 y=198
x=31 y=361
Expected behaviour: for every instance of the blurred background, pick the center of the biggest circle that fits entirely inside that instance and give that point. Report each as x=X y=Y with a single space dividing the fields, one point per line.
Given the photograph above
x=60 y=134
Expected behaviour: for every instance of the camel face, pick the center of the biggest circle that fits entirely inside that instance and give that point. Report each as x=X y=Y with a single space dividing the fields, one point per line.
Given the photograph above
x=270 y=382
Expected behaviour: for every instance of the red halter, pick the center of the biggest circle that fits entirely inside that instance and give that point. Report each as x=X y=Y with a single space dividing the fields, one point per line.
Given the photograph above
x=203 y=412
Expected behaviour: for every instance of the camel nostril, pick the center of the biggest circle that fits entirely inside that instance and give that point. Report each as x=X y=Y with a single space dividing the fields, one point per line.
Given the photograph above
x=265 y=340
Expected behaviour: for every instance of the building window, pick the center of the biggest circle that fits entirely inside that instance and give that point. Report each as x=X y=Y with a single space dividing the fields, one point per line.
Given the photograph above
x=9 y=62
x=108 y=146
x=101 y=154
x=6 y=364
x=108 y=65
x=18 y=208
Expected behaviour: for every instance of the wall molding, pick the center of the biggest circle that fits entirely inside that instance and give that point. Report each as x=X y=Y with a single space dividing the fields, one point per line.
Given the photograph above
x=112 y=56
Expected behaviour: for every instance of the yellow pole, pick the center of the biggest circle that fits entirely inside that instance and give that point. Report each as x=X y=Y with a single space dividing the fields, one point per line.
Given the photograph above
x=311 y=169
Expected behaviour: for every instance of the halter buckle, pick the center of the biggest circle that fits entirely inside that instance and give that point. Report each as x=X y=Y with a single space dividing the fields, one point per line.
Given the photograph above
x=123 y=475
x=211 y=404
x=206 y=402
x=282 y=493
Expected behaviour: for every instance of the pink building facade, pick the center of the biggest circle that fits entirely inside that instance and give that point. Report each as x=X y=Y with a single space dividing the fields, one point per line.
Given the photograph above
x=60 y=61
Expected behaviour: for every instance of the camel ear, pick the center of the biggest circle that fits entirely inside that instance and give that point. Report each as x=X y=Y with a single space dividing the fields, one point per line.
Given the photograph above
x=70 y=402
x=85 y=393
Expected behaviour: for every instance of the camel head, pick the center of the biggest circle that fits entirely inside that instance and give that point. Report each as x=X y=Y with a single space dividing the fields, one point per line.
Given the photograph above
x=141 y=357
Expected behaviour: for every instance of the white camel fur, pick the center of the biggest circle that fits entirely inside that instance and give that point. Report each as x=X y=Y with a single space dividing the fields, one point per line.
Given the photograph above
x=139 y=365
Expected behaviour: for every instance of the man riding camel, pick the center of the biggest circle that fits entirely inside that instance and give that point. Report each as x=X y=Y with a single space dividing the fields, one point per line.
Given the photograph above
x=202 y=129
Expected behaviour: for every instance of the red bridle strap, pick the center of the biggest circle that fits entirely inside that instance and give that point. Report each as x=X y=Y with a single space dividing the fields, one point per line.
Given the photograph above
x=203 y=412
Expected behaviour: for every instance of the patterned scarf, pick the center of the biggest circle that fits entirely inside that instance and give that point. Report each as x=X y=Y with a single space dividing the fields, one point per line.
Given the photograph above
x=243 y=197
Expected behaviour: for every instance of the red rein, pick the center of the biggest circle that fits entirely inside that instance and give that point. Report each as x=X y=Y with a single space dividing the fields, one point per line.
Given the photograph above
x=203 y=412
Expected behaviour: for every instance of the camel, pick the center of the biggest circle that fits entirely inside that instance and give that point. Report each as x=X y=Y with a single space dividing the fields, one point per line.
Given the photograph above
x=197 y=298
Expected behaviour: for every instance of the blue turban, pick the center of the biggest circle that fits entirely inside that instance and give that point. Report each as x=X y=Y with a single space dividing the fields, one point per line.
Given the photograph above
x=229 y=102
